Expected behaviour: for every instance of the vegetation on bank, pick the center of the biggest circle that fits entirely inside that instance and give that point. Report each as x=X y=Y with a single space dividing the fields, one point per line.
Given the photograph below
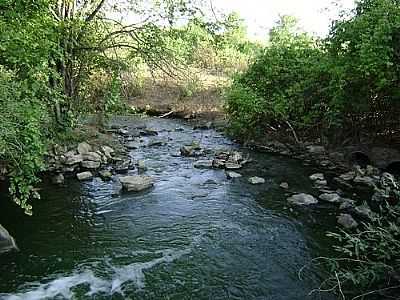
x=342 y=88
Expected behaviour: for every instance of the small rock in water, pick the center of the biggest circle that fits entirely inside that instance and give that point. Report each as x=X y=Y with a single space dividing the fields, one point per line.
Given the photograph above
x=331 y=197
x=321 y=183
x=256 y=180
x=316 y=149
x=347 y=204
x=203 y=164
x=84 y=176
x=347 y=221
x=232 y=166
x=233 y=175
x=141 y=166
x=156 y=142
x=318 y=176
x=132 y=145
x=58 y=179
x=136 y=183
x=348 y=176
x=284 y=185
x=105 y=175
x=302 y=199
x=84 y=148
x=148 y=132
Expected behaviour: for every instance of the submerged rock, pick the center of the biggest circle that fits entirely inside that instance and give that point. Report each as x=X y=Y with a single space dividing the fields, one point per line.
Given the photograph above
x=318 y=176
x=106 y=175
x=84 y=176
x=133 y=145
x=58 y=179
x=256 y=180
x=302 y=199
x=136 y=183
x=233 y=175
x=7 y=242
x=284 y=185
x=347 y=221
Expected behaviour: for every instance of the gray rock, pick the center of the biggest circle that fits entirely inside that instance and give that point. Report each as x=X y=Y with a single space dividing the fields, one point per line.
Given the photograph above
x=133 y=145
x=203 y=164
x=364 y=211
x=232 y=166
x=73 y=159
x=58 y=179
x=316 y=149
x=364 y=180
x=148 y=132
x=317 y=176
x=7 y=242
x=156 y=142
x=302 y=199
x=136 y=183
x=84 y=148
x=347 y=221
x=108 y=151
x=256 y=180
x=219 y=163
x=332 y=198
x=321 y=183
x=348 y=176
x=91 y=165
x=92 y=156
x=106 y=175
x=123 y=131
x=84 y=176
x=233 y=175
x=141 y=166
x=123 y=166
x=284 y=185
x=347 y=204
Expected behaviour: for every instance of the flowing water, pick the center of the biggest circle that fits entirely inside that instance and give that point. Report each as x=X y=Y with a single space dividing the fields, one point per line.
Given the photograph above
x=195 y=235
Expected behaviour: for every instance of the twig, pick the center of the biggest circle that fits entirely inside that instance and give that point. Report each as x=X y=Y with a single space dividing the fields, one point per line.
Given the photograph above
x=294 y=132
x=167 y=114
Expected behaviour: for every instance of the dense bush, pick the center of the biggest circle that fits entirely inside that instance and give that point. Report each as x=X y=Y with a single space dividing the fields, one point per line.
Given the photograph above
x=338 y=88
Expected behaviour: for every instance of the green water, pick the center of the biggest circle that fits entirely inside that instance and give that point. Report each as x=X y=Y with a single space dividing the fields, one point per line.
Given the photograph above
x=195 y=235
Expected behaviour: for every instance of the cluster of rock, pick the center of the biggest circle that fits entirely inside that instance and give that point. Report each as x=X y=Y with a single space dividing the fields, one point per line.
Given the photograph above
x=385 y=187
x=86 y=161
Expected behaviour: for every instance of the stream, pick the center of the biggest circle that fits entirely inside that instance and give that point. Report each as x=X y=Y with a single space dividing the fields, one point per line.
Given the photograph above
x=195 y=235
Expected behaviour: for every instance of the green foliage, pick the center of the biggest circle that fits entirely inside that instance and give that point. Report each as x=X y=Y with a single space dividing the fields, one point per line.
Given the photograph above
x=22 y=140
x=280 y=79
x=338 y=87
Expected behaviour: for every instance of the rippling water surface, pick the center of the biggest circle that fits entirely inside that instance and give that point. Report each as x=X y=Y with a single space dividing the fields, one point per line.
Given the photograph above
x=195 y=235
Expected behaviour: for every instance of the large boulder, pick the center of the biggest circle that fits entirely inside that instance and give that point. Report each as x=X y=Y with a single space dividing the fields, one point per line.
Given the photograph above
x=92 y=156
x=7 y=242
x=302 y=199
x=91 y=165
x=136 y=183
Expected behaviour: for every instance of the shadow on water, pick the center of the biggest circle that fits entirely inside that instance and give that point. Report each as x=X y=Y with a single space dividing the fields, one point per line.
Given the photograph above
x=196 y=235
